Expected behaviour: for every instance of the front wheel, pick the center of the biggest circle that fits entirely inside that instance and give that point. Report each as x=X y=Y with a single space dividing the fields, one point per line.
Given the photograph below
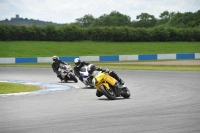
x=109 y=93
x=73 y=77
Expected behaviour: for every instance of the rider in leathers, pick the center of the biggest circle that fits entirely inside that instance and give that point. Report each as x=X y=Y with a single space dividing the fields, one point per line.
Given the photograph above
x=92 y=68
x=56 y=65
x=78 y=64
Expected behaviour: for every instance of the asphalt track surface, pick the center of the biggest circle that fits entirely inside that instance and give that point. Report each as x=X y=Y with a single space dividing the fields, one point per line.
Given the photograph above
x=161 y=102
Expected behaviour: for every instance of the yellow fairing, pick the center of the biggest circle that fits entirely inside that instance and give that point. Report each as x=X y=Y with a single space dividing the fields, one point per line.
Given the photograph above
x=110 y=79
x=104 y=79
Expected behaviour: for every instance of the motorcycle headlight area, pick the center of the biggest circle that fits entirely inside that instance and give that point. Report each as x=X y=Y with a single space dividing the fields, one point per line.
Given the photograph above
x=94 y=81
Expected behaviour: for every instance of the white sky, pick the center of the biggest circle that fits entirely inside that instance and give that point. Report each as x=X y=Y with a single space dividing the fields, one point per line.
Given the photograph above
x=67 y=11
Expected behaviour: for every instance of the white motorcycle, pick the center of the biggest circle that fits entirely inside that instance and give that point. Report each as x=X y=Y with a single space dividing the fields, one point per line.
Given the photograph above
x=84 y=74
x=67 y=73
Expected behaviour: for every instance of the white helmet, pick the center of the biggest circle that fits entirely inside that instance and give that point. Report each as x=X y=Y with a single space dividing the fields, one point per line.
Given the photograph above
x=55 y=58
x=77 y=61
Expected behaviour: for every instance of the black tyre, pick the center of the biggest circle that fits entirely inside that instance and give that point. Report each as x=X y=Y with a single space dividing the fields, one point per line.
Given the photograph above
x=66 y=79
x=108 y=93
x=73 y=77
x=126 y=93
x=98 y=93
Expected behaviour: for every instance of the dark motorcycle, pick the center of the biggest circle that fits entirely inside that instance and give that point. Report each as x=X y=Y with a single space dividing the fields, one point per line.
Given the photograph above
x=67 y=73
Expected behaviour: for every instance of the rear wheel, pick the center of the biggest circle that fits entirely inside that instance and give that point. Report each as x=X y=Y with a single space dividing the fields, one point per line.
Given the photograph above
x=109 y=93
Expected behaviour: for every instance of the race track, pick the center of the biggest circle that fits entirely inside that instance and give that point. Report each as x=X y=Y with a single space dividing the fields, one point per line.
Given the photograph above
x=161 y=102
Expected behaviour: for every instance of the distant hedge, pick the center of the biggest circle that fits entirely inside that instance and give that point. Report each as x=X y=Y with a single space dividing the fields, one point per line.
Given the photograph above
x=115 y=34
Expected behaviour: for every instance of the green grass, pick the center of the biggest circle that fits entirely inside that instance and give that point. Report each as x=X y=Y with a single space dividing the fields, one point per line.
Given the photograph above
x=6 y=88
x=89 y=48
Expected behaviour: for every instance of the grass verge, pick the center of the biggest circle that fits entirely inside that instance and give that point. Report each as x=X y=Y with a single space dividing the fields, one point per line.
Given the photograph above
x=6 y=88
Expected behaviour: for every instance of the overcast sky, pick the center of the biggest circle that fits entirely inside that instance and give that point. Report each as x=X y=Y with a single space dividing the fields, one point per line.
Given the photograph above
x=67 y=11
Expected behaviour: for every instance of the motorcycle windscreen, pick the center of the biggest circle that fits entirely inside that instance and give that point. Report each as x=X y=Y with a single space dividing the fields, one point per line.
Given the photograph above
x=99 y=77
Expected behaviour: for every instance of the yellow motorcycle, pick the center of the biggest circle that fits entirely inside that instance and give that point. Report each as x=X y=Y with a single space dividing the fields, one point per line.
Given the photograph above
x=109 y=86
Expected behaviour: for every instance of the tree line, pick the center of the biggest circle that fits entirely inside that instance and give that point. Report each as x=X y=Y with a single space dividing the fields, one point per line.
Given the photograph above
x=144 y=20
x=115 y=18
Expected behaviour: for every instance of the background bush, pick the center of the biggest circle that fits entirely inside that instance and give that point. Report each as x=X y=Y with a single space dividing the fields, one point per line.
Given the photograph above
x=115 y=34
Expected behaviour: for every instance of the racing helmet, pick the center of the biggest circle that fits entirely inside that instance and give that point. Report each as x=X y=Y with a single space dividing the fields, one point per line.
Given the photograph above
x=91 y=68
x=77 y=61
x=55 y=58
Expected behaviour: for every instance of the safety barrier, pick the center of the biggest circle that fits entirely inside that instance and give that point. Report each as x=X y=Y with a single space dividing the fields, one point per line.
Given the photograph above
x=177 y=56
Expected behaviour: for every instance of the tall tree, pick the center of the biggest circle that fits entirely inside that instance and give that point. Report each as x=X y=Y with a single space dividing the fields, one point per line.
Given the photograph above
x=145 y=20
x=85 y=21
x=165 y=17
x=145 y=17
x=113 y=19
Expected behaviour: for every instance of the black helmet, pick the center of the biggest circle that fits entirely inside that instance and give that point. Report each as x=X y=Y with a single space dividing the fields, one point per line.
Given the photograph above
x=77 y=61
x=55 y=58
x=91 y=68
